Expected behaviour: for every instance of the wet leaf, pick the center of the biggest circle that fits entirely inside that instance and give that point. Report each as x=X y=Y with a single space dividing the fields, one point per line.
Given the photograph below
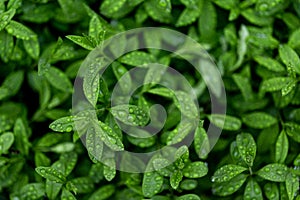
x=269 y=63
x=152 y=183
x=20 y=31
x=130 y=114
x=273 y=172
x=51 y=174
x=137 y=59
x=226 y=122
x=6 y=140
x=292 y=185
x=227 y=172
x=103 y=193
x=253 y=191
x=59 y=80
x=259 y=120
x=6 y=18
x=229 y=187
x=246 y=147
x=201 y=143
x=175 y=179
x=289 y=57
x=281 y=148
x=195 y=170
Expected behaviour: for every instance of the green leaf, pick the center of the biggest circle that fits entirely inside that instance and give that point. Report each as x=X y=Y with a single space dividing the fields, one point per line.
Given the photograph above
x=6 y=46
x=38 y=13
x=188 y=184
x=175 y=179
x=247 y=147
x=226 y=4
x=20 y=31
x=241 y=48
x=163 y=166
x=70 y=12
x=189 y=197
x=96 y=29
x=14 y=4
x=281 y=148
x=107 y=135
x=262 y=38
x=141 y=138
x=259 y=120
x=227 y=172
x=274 y=172
x=137 y=58
x=152 y=183
x=188 y=16
x=293 y=130
x=153 y=76
x=103 y=193
x=91 y=81
x=226 y=122
x=32 y=191
x=109 y=169
x=201 y=143
x=186 y=104
x=6 y=18
x=66 y=163
x=63 y=147
x=120 y=71
x=252 y=191
x=294 y=39
x=110 y=7
x=288 y=88
x=181 y=156
x=255 y=18
x=297 y=160
x=289 y=57
x=40 y=159
x=275 y=84
x=208 y=21
x=58 y=79
x=130 y=114
x=94 y=145
x=13 y=83
x=6 y=140
x=82 y=184
x=269 y=63
x=291 y=20
x=180 y=132
x=157 y=12
x=21 y=136
x=267 y=8
x=32 y=47
x=52 y=189
x=64 y=124
x=229 y=187
x=271 y=191
x=81 y=41
x=96 y=172
x=67 y=195
x=244 y=85
x=162 y=91
x=195 y=170
x=51 y=174
x=292 y=185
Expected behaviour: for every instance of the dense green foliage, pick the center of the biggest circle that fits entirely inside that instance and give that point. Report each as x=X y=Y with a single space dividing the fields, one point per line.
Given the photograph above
x=256 y=46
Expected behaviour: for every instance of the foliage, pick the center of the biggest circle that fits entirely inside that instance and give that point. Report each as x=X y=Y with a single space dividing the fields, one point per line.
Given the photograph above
x=255 y=44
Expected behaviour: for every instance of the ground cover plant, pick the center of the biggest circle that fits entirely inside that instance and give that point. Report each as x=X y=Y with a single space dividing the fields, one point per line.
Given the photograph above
x=53 y=146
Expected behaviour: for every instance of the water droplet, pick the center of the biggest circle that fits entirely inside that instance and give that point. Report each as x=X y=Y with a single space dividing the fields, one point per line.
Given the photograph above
x=267 y=169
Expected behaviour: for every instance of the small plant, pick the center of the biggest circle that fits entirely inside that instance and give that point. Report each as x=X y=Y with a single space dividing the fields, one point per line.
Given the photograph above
x=72 y=129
